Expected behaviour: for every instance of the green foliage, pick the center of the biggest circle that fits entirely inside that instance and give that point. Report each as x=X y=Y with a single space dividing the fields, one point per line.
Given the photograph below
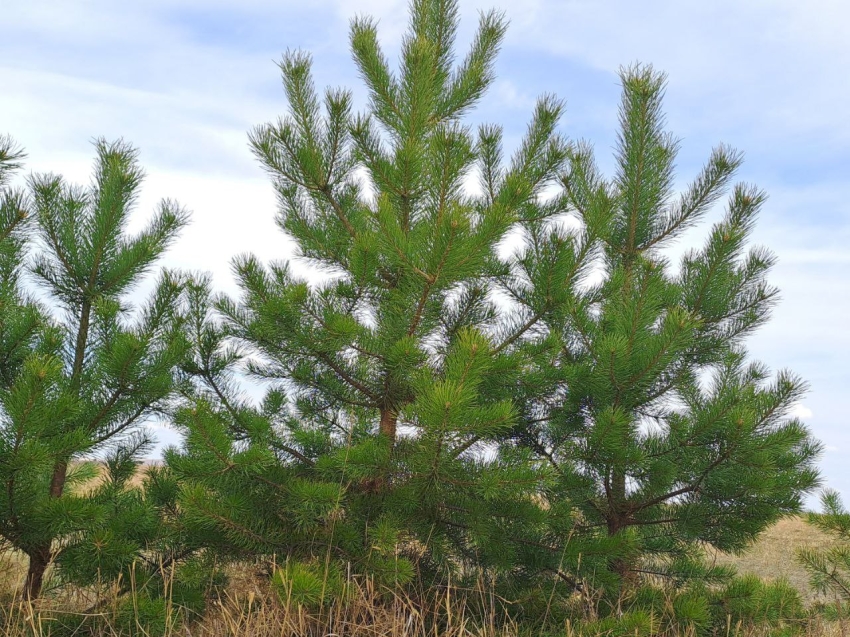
x=311 y=585
x=639 y=623
x=145 y=616
x=749 y=601
x=742 y=604
x=135 y=541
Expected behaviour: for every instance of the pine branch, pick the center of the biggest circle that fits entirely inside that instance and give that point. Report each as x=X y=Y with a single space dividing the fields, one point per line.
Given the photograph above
x=345 y=376
x=237 y=416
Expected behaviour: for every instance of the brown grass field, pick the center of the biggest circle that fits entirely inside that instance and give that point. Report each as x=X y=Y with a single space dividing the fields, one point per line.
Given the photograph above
x=773 y=556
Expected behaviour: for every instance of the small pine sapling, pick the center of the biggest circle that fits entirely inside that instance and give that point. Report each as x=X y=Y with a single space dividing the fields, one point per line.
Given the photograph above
x=829 y=568
x=106 y=369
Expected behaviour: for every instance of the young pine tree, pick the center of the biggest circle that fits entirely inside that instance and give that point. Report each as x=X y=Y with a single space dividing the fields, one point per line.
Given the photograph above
x=829 y=568
x=95 y=371
x=387 y=383
x=661 y=434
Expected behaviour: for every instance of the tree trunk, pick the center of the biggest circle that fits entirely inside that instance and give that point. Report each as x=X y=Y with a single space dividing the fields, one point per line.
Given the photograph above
x=618 y=489
x=388 y=424
x=39 y=559
x=616 y=522
x=57 y=481
x=40 y=555
x=620 y=565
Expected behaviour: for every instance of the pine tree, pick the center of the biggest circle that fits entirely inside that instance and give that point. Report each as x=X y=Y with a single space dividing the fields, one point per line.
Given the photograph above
x=387 y=380
x=642 y=401
x=87 y=378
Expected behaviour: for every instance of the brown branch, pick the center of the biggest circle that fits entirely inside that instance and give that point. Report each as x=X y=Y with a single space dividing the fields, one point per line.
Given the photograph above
x=238 y=418
x=522 y=330
x=328 y=360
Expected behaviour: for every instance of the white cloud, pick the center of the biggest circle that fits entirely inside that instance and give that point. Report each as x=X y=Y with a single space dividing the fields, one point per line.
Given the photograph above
x=760 y=64
x=510 y=96
x=801 y=411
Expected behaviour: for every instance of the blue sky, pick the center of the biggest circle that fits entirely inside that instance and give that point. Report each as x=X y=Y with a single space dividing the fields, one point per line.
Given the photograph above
x=184 y=80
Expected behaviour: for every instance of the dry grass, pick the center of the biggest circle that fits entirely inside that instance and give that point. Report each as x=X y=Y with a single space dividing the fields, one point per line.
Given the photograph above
x=774 y=555
x=135 y=481
x=257 y=613
x=249 y=608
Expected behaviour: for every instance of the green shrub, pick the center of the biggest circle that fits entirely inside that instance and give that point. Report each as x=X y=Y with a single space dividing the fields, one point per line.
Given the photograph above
x=752 y=602
x=311 y=585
